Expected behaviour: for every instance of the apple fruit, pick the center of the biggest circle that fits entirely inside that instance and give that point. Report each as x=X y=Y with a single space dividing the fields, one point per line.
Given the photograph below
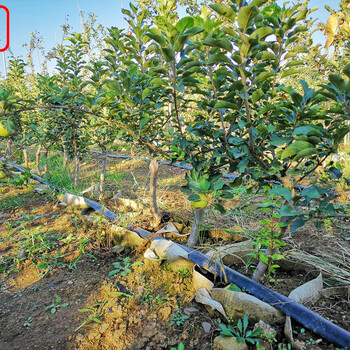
x=6 y=131
x=201 y=203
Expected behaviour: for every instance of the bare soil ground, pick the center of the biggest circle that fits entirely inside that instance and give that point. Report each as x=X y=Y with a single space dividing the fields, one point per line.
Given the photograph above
x=55 y=289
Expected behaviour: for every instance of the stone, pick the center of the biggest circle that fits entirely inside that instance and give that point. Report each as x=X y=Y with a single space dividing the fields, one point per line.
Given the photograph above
x=127 y=205
x=228 y=343
x=206 y=327
x=41 y=188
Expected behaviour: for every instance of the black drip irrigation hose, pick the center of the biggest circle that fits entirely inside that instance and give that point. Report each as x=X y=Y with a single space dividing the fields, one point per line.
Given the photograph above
x=298 y=312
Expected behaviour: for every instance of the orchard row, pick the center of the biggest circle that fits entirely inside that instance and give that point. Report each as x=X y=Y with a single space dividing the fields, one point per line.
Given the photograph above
x=229 y=88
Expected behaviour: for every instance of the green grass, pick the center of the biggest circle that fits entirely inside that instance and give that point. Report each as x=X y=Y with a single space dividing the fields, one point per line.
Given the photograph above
x=58 y=175
x=14 y=202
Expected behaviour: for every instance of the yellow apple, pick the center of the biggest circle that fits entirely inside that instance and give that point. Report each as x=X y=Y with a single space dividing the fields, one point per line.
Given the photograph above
x=201 y=203
x=4 y=131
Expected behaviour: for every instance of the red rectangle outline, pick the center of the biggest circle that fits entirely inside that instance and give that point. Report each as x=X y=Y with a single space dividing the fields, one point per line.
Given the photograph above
x=7 y=28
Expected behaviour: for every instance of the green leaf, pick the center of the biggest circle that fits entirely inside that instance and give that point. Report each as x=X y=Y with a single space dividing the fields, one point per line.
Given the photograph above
x=218 y=185
x=283 y=192
x=233 y=288
x=279 y=141
x=218 y=58
x=261 y=33
x=346 y=70
x=264 y=76
x=258 y=3
x=327 y=208
x=180 y=42
x=146 y=93
x=222 y=43
x=303 y=130
x=257 y=95
x=239 y=326
x=338 y=82
x=287 y=210
x=158 y=38
x=194 y=198
x=245 y=322
x=296 y=224
x=295 y=148
x=256 y=332
x=158 y=81
x=143 y=122
x=244 y=16
x=204 y=184
x=226 y=333
x=337 y=174
x=242 y=165
x=289 y=72
x=267 y=204
x=312 y=192
x=194 y=31
x=304 y=153
x=184 y=23
x=225 y=104
x=219 y=208
x=168 y=54
x=224 y=11
x=266 y=55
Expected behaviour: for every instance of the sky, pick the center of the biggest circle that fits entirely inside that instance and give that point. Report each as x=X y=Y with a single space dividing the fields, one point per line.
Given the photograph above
x=47 y=17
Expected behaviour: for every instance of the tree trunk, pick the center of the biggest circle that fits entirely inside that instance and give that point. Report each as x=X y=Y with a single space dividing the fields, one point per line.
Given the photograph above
x=8 y=151
x=25 y=156
x=103 y=170
x=153 y=167
x=37 y=160
x=65 y=157
x=76 y=161
x=260 y=270
x=46 y=155
x=197 y=223
x=76 y=171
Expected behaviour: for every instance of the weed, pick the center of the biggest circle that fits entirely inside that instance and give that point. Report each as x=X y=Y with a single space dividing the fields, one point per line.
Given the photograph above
x=56 y=305
x=185 y=273
x=123 y=267
x=12 y=203
x=310 y=342
x=59 y=175
x=28 y=322
x=181 y=346
x=73 y=264
x=94 y=312
x=50 y=262
x=7 y=265
x=29 y=218
x=240 y=191
x=21 y=179
x=282 y=347
x=10 y=231
x=148 y=298
x=241 y=332
x=268 y=236
x=116 y=176
x=178 y=318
